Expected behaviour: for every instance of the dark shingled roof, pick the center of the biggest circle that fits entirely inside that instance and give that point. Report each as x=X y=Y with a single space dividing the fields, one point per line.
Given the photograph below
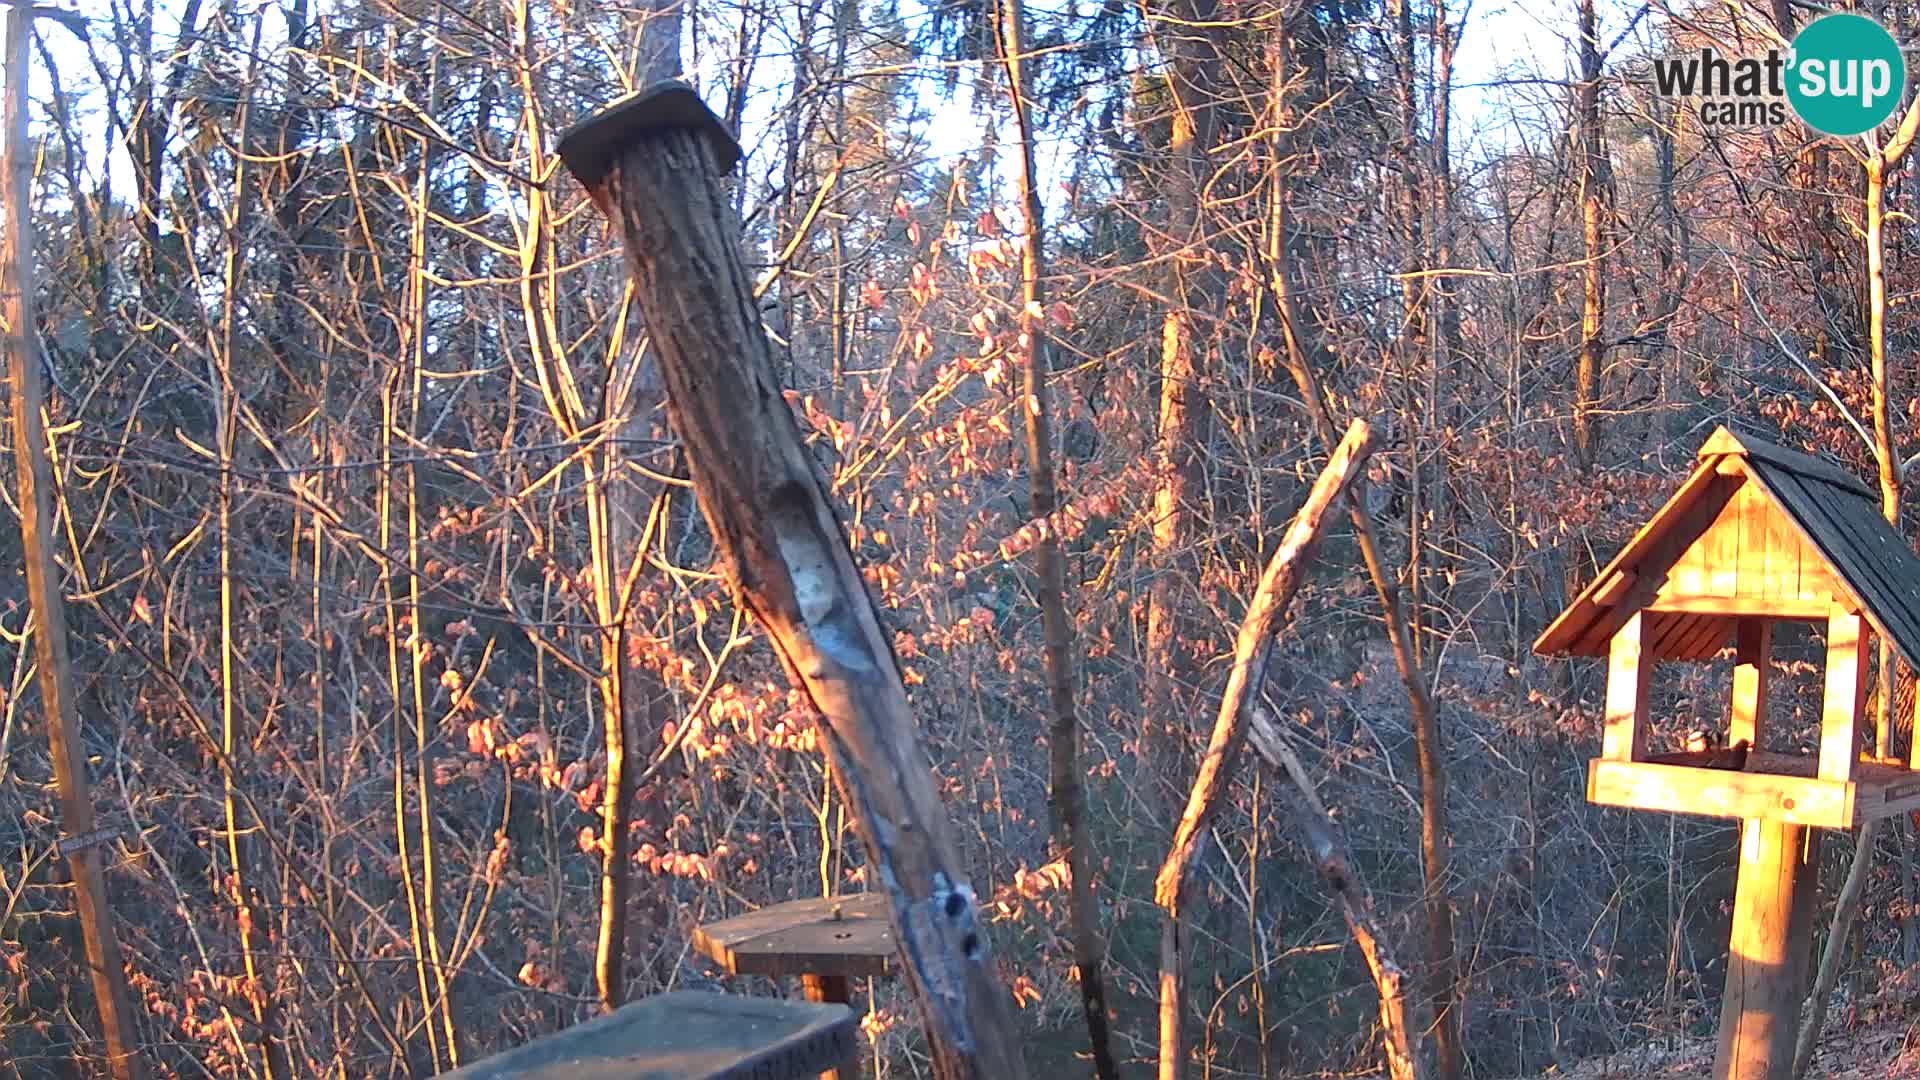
x=1835 y=512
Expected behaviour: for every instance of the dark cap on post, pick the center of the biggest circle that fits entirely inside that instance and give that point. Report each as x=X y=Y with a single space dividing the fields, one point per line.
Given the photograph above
x=590 y=147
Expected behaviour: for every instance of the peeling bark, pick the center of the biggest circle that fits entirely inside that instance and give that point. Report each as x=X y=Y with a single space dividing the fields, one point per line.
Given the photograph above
x=786 y=555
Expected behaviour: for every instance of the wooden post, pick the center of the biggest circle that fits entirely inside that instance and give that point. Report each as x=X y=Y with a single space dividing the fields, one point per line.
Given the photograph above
x=33 y=463
x=1845 y=696
x=1913 y=731
x=1753 y=652
x=829 y=990
x=1767 y=956
x=1629 y=670
x=654 y=163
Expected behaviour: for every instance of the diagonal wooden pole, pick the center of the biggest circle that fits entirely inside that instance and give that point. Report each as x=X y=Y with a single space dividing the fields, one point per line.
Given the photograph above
x=654 y=164
x=1402 y=1027
x=34 y=467
x=1253 y=648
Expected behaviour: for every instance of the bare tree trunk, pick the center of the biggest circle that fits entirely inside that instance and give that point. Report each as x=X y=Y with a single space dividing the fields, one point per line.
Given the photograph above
x=1886 y=456
x=1879 y=163
x=34 y=468
x=1188 y=43
x=149 y=133
x=1845 y=907
x=1443 y=415
x=1068 y=801
x=1400 y=1021
x=1413 y=340
x=785 y=552
x=1252 y=650
x=1673 y=258
x=1593 y=312
x=249 y=901
x=617 y=507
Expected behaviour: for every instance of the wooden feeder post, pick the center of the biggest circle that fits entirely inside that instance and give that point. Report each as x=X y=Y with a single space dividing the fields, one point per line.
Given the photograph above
x=1772 y=934
x=654 y=163
x=1754 y=536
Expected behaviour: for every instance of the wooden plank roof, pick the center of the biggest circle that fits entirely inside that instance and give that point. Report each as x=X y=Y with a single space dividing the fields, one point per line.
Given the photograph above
x=1832 y=510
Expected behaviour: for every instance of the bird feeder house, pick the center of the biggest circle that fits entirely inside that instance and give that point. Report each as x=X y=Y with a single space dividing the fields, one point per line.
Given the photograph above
x=1756 y=535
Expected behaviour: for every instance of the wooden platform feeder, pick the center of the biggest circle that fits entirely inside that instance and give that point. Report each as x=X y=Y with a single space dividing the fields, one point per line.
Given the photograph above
x=1757 y=534
x=827 y=941
x=685 y=1035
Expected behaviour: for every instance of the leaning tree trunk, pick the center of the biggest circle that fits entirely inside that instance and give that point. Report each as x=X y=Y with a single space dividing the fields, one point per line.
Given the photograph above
x=33 y=464
x=654 y=164
x=1400 y=1019
x=1305 y=356
x=1252 y=650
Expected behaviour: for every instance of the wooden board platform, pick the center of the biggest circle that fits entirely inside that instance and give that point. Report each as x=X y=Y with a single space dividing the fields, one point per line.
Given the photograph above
x=1774 y=787
x=685 y=1035
x=848 y=935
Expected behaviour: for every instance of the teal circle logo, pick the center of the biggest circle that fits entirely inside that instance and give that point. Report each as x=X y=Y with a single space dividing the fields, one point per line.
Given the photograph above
x=1846 y=75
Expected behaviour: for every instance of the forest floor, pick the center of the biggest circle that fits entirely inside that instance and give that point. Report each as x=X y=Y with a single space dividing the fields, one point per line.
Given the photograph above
x=1886 y=1047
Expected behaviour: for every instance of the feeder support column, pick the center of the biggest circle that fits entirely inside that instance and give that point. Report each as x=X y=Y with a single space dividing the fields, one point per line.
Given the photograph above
x=1846 y=695
x=1754 y=649
x=1767 y=956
